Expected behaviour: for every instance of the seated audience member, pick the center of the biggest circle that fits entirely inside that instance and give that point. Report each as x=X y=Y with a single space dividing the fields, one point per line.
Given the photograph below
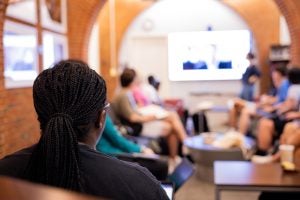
x=70 y=101
x=125 y=108
x=113 y=143
x=146 y=93
x=151 y=92
x=139 y=95
x=270 y=128
x=290 y=136
x=151 y=89
x=153 y=81
x=267 y=103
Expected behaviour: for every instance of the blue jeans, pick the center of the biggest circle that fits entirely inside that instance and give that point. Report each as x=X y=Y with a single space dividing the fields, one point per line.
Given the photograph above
x=247 y=92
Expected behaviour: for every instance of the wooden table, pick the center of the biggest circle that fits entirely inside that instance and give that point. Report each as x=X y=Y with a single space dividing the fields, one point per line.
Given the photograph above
x=247 y=176
x=14 y=189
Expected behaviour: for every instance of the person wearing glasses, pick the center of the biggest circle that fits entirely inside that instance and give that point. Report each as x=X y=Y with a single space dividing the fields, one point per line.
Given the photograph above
x=70 y=101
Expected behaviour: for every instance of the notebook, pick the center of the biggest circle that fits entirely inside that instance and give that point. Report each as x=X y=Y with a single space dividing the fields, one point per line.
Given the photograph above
x=152 y=109
x=169 y=188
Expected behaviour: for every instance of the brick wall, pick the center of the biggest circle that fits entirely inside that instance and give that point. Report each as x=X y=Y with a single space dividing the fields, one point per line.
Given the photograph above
x=82 y=15
x=18 y=124
x=126 y=11
x=290 y=10
x=2 y=95
x=262 y=18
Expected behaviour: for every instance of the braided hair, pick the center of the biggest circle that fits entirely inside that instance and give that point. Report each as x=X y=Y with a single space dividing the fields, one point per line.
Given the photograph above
x=68 y=99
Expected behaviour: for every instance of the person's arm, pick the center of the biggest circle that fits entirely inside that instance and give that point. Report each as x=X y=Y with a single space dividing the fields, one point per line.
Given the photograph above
x=292 y=115
x=252 y=79
x=283 y=91
x=267 y=100
x=134 y=117
x=254 y=75
x=129 y=113
x=286 y=106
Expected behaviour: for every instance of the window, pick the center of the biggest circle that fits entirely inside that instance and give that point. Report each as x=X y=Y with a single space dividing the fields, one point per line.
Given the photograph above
x=31 y=42
x=20 y=55
x=54 y=48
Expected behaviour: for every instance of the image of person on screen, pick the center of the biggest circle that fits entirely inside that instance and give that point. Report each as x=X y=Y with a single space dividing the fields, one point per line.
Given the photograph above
x=194 y=60
x=249 y=78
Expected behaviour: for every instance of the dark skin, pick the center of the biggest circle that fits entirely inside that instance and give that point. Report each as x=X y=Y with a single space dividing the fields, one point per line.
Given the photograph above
x=93 y=136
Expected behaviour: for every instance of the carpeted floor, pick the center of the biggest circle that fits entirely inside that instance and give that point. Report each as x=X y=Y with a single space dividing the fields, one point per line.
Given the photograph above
x=195 y=189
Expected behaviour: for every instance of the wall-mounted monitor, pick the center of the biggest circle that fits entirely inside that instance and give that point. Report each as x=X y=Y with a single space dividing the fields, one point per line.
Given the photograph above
x=208 y=55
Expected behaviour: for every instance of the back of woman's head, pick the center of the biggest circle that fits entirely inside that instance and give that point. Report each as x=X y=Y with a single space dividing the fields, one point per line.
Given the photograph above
x=67 y=99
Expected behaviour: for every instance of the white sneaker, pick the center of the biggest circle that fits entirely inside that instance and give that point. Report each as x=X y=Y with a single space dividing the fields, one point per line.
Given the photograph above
x=185 y=150
x=262 y=159
x=173 y=163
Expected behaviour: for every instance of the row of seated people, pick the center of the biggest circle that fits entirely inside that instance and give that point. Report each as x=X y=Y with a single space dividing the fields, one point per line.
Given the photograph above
x=135 y=109
x=272 y=118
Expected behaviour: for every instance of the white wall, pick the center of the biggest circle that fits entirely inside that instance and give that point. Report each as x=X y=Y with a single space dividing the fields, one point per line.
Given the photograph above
x=284 y=33
x=93 y=49
x=145 y=42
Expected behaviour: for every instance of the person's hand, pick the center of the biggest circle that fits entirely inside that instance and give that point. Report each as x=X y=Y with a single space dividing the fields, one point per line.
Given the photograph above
x=281 y=110
x=292 y=115
x=268 y=109
x=252 y=79
x=149 y=118
x=147 y=151
x=266 y=99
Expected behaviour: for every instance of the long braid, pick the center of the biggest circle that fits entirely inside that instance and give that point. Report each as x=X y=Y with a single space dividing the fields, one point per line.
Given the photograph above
x=67 y=99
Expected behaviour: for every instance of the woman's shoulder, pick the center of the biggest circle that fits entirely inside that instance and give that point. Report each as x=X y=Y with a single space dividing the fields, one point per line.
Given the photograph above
x=138 y=180
x=108 y=163
x=13 y=164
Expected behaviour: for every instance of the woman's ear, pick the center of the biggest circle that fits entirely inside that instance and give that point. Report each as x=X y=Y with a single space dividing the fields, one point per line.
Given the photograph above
x=100 y=122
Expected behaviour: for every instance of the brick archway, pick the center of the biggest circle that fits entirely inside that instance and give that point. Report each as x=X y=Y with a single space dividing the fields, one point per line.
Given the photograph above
x=265 y=29
x=82 y=15
x=81 y=24
x=290 y=11
x=3 y=101
x=78 y=46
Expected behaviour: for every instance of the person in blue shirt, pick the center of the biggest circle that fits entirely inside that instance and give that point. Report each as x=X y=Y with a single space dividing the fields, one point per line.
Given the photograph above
x=249 y=79
x=267 y=103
